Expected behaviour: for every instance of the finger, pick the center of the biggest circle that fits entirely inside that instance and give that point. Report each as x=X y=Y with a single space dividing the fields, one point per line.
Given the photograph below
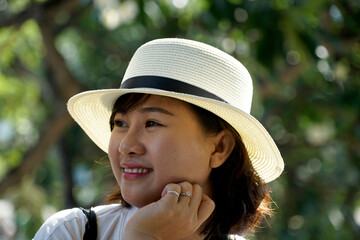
x=171 y=186
x=206 y=207
x=186 y=192
x=171 y=192
x=196 y=196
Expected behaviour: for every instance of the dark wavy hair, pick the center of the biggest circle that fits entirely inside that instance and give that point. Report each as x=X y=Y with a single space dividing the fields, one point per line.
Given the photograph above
x=241 y=197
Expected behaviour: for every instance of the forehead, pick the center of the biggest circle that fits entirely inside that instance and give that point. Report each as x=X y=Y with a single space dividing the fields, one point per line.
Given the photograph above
x=168 y=103
x=132 y=102
x=162 y=100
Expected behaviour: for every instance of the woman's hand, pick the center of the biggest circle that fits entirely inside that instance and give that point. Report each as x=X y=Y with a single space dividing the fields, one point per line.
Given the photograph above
x=171 y=217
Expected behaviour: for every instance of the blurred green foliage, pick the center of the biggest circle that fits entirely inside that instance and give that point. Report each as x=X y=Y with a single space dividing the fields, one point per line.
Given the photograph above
x=304 y=57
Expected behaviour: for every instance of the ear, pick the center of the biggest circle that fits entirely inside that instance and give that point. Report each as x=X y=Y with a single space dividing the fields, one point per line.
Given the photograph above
x=224 y=145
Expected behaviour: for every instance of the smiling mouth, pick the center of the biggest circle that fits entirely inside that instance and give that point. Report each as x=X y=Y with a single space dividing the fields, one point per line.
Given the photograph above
x=137 y=170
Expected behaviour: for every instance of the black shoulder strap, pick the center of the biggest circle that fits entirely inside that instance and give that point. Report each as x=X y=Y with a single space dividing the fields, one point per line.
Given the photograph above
x=91 y=225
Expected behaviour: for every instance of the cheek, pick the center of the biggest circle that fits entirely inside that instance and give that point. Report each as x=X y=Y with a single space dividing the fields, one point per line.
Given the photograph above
x=192 y=147
x=184 y=156
x=114 y=142
x=113 y=152
x=196 y=159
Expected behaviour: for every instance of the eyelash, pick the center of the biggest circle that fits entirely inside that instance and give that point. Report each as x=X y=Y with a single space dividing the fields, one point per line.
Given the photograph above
x=119 y=123
x=148 y=123
x=153 y=124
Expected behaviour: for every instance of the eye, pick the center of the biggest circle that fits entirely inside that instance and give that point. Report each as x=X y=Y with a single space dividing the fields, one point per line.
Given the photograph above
x=152 y=124
x=120 y=123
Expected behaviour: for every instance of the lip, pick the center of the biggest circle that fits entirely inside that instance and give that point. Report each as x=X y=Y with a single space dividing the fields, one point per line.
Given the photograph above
x=134 y=171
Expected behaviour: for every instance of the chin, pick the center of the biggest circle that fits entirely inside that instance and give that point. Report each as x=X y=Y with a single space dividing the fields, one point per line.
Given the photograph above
x=139 y=202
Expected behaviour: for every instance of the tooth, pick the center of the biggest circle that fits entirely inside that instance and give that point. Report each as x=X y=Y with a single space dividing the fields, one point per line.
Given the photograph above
x=137 y=170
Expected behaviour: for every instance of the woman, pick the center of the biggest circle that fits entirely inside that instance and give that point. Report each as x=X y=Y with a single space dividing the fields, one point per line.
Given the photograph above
x=189 y=159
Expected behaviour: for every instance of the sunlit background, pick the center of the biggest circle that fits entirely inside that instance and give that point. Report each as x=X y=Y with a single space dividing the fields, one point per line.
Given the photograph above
x=303 y=55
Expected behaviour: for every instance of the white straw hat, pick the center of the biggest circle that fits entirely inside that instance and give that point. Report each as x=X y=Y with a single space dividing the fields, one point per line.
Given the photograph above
x=193 y=72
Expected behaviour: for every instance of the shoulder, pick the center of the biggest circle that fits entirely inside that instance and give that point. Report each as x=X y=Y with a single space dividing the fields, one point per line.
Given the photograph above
x=112 y=213
x=111 y=220
x=69 y=224
x=111 y=209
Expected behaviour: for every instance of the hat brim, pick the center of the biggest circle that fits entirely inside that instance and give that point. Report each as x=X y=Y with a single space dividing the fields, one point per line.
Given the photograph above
x=92 y=111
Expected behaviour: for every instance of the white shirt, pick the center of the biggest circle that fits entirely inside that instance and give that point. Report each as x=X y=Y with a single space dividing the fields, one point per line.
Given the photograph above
x=70 y=223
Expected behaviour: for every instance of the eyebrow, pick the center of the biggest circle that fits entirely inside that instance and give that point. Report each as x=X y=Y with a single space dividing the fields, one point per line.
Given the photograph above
x=155 y=109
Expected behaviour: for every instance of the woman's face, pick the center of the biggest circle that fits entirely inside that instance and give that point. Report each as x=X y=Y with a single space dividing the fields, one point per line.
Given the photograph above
x=159 y=142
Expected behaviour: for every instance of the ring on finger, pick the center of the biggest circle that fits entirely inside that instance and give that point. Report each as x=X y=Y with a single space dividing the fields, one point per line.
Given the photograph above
x=186 y=194
x=173 y=192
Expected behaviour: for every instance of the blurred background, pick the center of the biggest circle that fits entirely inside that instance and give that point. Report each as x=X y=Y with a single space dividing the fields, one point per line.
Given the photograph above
x=303 y=55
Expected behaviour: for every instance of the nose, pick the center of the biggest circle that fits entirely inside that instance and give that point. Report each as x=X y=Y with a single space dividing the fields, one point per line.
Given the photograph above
x=131 y=144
